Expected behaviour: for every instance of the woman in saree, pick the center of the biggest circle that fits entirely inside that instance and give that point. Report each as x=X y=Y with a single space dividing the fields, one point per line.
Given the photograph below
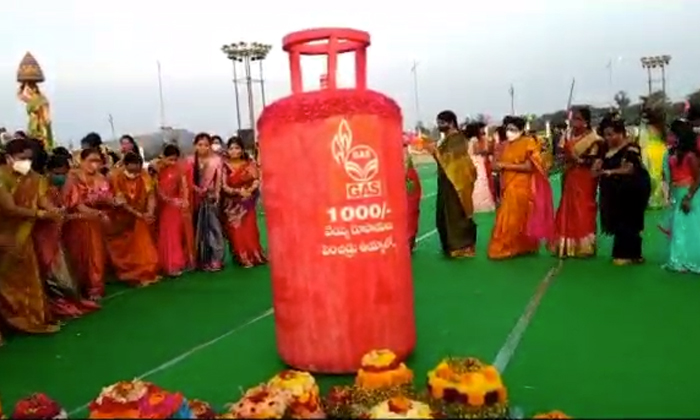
x=454 y=208
x=414 y=194
x=576 y=220
x=480 y=155
x=240 y=196
x=88 y=198
x=128 y=144
x=175 y=233
x=682 y=175
x=625 y=188
x=525 y=216
x=130 y=245
x=206 y=174
x=24 y=305
x=653 y=144
x=62 y=287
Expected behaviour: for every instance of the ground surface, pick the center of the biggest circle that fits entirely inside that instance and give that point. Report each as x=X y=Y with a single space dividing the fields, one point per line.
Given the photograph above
x=604 y=340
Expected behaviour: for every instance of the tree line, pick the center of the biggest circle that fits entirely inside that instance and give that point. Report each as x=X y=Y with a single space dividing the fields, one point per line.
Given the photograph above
x=631 y=111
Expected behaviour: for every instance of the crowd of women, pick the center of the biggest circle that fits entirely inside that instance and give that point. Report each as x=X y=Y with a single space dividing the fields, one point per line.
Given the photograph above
x=608 y=178
x=69 y=221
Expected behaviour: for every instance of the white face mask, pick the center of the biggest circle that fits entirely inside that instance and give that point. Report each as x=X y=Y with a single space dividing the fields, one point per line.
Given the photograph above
x=22 y=166
x=216 y=147
x=512 y=135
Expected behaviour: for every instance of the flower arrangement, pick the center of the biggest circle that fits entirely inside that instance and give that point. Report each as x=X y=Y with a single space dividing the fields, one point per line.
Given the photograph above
x=552 y=415
x=381 y=369
x=302 y=391
x=466 y=387
x=202 y=410
x=138 y=399
x=457 y=388
x=39 y=407
x=260 y=402
x=401 y=408
x=381 y=377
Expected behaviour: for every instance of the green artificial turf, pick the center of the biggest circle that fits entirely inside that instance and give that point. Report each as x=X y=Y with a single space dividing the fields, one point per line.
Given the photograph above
x=615 y=341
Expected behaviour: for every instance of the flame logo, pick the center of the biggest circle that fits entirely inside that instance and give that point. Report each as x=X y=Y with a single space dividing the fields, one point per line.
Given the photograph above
x=360 y=162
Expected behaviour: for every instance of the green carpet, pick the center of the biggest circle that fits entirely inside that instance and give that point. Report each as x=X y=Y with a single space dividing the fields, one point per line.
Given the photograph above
x=614 y=341
x=588 y=350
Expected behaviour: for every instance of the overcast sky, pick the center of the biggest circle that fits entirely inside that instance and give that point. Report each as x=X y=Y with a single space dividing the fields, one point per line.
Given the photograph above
x=100 y=57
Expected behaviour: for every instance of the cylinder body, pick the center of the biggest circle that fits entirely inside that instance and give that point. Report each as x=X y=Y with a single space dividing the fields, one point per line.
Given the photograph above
x=335 y=204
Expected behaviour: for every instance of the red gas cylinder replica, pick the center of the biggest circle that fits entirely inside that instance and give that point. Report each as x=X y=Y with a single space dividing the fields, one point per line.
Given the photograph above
x=334 y=196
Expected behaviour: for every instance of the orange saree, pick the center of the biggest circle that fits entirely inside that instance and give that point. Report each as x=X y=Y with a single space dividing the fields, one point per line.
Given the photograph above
x=130 y=245
x=524 y=216
x=84 y=236
x=23 y=301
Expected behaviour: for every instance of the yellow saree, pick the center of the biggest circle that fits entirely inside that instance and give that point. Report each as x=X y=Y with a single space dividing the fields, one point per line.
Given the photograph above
x=23 y=302
x=454 y=207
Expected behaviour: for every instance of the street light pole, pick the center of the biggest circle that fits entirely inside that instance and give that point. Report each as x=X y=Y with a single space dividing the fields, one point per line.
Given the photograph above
x=262 y=83
x=511 y=92
x=414 y=70
x=245 y=53
x=249 y=88
x=238 y=99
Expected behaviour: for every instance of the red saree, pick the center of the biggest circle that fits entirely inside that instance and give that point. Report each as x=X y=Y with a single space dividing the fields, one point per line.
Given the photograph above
x=84 y=236
x=239 y=203
x=129 y=242
x=414 y=190
x=175 y=231
x=575 y=223
x=63 y=290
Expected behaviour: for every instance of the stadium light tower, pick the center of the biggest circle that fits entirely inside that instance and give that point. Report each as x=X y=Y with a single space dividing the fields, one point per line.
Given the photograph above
x=246 y=53
x=651 y=63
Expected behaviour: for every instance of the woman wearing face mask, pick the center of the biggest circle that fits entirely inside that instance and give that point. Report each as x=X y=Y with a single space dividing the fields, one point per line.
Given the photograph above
x=206 y=174
x=456 y=176
x=577 y=215
x=625 y=188
x=240 y=198
x=63 y=289
x=23 y=301
x=525 y=216
x=175 y=233
x=217 y=145
x=88 y=198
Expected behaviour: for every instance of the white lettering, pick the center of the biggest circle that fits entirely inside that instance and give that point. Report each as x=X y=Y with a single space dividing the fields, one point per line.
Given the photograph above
x=349 y=249
x=359 y=212
x=361 y=229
